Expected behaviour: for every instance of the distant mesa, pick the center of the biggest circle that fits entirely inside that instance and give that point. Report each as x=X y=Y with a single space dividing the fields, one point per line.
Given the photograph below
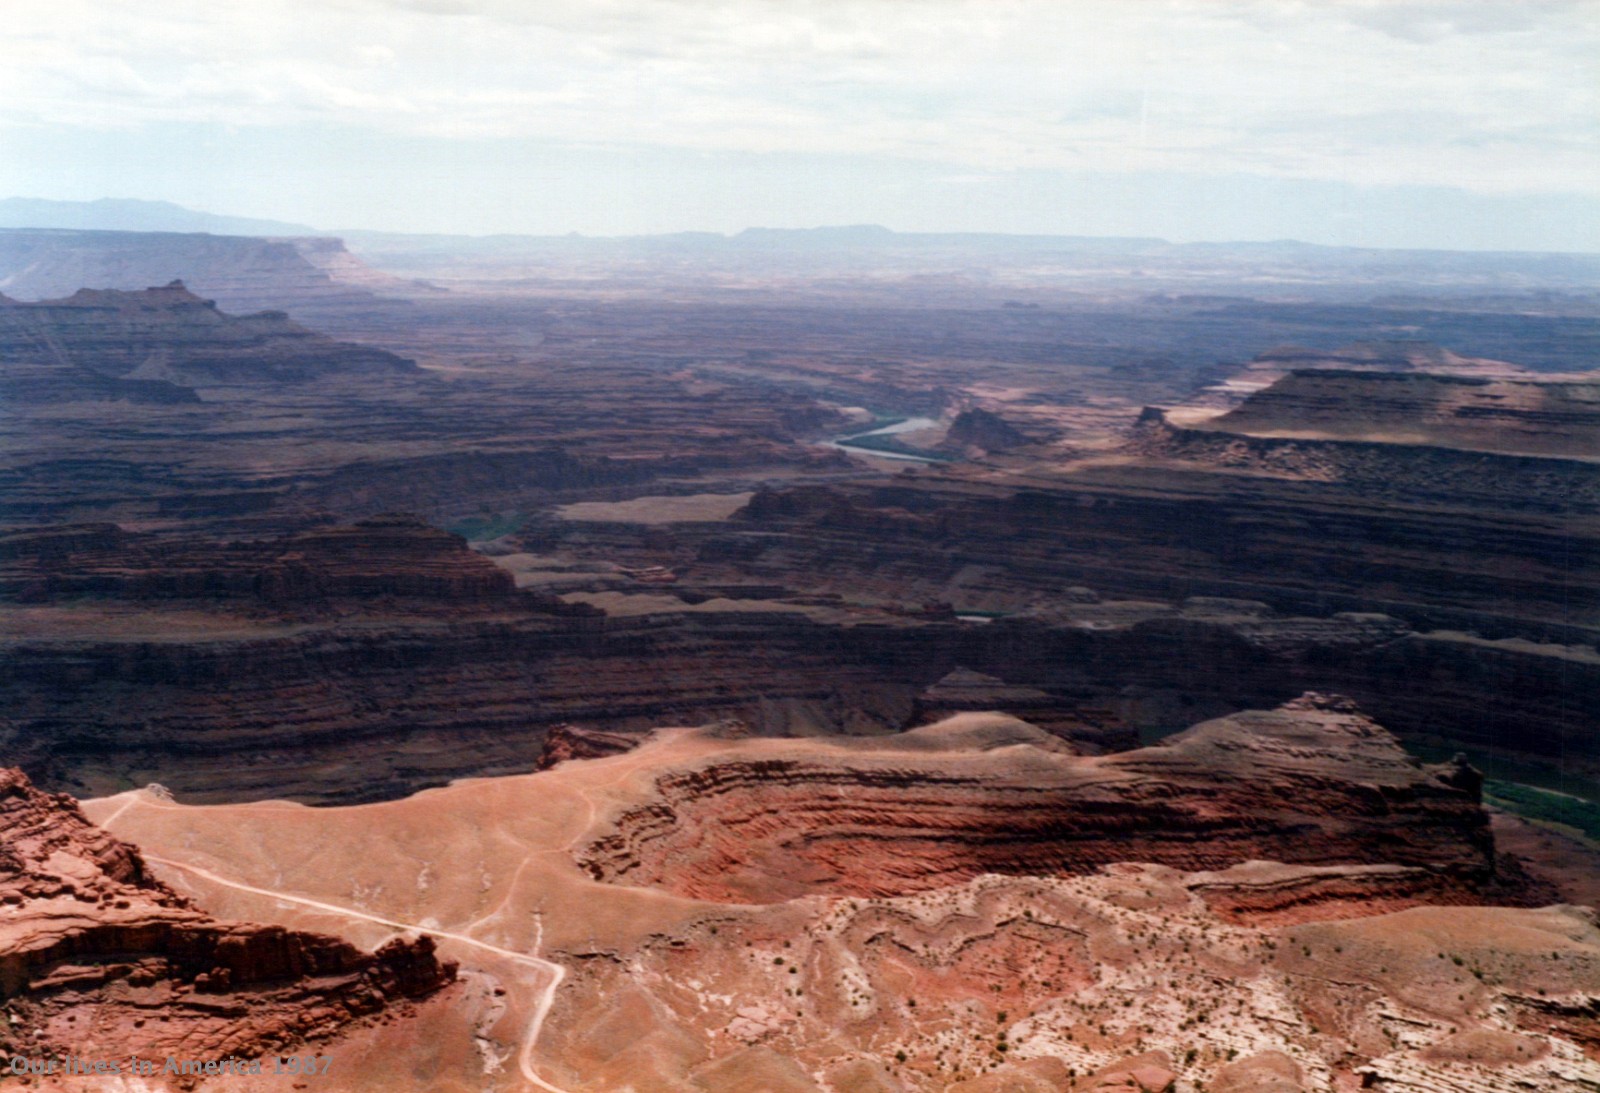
x=981 y=430
x=159 y=344
x=1384 y=356
x=241 y=273
x=1526 y=443
x=845 y=235
x=1403 y=355
x=1525 y=415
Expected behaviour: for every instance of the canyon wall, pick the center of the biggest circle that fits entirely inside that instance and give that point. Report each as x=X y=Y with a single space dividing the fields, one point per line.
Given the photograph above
x=371 y=660
x=1547 y=416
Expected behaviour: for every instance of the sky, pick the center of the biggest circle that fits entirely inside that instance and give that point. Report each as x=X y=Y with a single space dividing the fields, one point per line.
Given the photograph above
x=1470 y=124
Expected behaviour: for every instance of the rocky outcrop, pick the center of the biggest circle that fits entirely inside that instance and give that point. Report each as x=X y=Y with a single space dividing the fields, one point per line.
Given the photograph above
x=1313 y=782
x=394 y=556
x=1270 y=894
x=564 y=742
x=1422 y=473
x=1511 y=416
x=1405 y=436
x=1139 y=1074
x=98 y=956
x=1268 y=1072
x=981 y=431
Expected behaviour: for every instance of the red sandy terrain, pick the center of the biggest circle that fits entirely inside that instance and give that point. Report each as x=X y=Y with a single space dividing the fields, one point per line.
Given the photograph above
x=100 y=960
x=1071 y=977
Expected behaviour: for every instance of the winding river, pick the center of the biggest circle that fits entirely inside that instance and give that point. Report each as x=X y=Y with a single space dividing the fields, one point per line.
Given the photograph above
x=909 y=425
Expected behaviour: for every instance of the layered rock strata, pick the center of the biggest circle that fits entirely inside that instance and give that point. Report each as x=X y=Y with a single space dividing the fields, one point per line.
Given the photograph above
x=565 y=742
x=156 y=408
x=1181 y=533
x=167 y=338
x=381 y=658
x=1513 y=416
x=100 y=959
x=1313 y=782
x=1412 y=474
x=1475 y=626
x=390 y=555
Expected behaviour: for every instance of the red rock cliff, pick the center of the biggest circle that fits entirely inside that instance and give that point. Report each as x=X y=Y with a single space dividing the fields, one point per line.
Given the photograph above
x=93 y=949
x=1313 y=782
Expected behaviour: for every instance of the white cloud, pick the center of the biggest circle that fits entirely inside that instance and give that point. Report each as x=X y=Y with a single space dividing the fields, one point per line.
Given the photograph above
x=1496 y=95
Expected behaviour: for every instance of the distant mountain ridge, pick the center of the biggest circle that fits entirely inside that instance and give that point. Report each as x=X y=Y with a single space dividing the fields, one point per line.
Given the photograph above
x=128 y=214
x=135 y=215
x=157 y=344
x=139 y=243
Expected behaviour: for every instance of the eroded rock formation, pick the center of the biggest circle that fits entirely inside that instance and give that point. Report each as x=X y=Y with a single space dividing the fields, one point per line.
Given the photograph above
x=1313 y=782
x=983 y=431
x=99 y=958
x=1511 y=416
x=164 y=339
x=1009 y=982
x=564 y=742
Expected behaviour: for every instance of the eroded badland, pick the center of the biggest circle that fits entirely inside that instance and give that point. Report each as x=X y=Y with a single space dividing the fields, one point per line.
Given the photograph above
x=826 y=661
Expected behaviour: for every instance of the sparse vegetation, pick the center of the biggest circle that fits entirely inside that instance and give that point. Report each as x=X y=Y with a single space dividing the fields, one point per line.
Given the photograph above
x=1543 y=805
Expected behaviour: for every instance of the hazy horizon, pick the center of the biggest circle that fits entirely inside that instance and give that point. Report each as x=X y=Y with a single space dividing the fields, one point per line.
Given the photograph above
x=267 y=227
x=1438 y=124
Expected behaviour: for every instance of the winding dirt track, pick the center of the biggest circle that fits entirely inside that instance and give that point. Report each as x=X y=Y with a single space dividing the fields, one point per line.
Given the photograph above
x=546 y=976
x=550 y=973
